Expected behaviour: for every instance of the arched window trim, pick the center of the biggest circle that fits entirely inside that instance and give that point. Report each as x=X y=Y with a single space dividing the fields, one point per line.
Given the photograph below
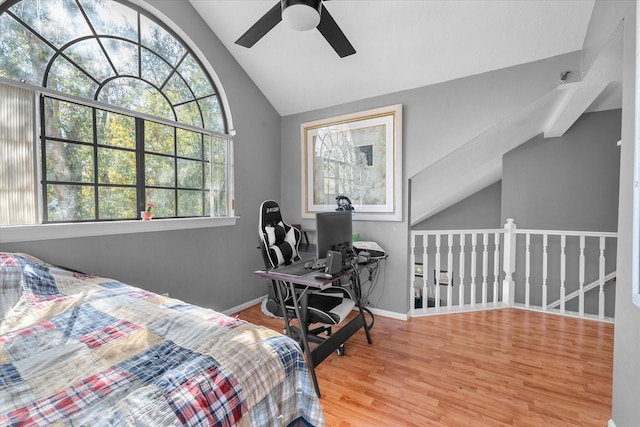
x=51 y=231
x=158 y=16
x=165 y=22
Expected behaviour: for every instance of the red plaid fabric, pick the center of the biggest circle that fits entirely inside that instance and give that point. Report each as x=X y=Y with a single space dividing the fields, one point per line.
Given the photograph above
x=108 y=333
x=33 y=330
x=208 y=399
x=69 y=401
x=7 y=260
x=226 y=321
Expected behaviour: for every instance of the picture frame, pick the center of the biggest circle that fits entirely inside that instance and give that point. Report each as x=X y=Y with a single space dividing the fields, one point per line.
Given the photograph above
x=442 y=278
x=418 y=269
x=358 y=156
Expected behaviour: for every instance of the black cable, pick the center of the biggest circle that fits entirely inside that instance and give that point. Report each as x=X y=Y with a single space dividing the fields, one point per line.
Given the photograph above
x=358 y=291
x=374 y=274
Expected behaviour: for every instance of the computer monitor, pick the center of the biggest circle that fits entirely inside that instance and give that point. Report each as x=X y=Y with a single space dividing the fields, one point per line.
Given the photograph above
x=334 y=232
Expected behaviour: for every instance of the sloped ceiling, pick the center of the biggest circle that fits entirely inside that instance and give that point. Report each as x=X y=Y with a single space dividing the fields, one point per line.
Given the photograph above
x=405 y=44
x=478 y=162
x=400 y=44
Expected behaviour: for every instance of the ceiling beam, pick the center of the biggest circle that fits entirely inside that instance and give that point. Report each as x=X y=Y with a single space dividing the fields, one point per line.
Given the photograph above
x=478 y=163
x=578 y=96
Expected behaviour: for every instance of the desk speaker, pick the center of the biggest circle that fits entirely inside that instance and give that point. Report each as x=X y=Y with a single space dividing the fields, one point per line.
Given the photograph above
x=334 y=262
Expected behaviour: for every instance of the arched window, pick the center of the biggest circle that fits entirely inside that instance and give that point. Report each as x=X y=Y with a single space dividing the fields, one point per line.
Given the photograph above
x=109 y=52
x=340 y=168
x=128 y=115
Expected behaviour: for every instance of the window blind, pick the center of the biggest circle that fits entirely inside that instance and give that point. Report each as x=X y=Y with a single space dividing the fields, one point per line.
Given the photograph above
x=18 y=196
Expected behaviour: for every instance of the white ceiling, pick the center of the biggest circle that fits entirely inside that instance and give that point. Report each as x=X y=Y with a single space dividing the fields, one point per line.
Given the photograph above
x=400 y=44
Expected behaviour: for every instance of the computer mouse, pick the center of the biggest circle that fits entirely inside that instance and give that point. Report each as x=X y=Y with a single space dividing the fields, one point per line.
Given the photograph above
x=308 y=264
x=323 y=276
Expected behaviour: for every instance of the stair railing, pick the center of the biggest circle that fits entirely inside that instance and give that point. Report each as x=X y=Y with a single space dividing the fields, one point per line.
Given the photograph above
x=463 y=270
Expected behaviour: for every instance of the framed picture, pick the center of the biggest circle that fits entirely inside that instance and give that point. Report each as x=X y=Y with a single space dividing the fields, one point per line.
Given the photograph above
x=358 y=156
x=441 y=278
x=418 y=269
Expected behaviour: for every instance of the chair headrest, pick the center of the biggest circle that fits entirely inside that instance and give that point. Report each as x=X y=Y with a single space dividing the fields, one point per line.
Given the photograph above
x=279 y=240
x=269 y=214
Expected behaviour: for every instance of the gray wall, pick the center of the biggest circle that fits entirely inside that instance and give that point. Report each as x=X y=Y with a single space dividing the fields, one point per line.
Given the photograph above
x=478 y=211
x=391 y=292
x=222 y=279
x=626 y=351
x=566 y=183
x=569 y=182
x=212 y=266
x=445 y=116
x=431 y=129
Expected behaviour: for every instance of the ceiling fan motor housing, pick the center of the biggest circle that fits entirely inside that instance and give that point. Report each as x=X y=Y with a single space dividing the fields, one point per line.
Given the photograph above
x=301 y=15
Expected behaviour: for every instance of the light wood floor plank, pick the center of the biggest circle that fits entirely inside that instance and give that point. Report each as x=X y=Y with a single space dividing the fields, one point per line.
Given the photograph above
x=506 y=367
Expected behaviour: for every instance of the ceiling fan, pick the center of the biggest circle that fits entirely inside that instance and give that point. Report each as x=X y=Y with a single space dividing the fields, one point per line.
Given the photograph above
x=301 y=15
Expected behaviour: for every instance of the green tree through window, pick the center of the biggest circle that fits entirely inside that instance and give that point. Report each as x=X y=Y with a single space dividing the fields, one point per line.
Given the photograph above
x=100 y=163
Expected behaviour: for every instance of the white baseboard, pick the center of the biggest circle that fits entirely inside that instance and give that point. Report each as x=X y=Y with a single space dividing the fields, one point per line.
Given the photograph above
x=391 y=314
x=611 y=424
x=376 y=311
x=243 y=306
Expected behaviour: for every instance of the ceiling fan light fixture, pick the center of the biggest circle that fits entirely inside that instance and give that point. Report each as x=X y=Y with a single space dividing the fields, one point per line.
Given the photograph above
x=301 y=15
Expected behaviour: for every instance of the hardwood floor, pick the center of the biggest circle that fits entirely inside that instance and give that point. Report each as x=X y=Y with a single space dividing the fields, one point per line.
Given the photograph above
x=506 y=367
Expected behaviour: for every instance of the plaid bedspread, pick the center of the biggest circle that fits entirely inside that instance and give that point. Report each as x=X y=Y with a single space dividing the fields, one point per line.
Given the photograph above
x=91 y=351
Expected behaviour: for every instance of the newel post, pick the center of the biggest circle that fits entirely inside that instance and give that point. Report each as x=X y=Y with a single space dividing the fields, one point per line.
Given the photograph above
x=509 y=263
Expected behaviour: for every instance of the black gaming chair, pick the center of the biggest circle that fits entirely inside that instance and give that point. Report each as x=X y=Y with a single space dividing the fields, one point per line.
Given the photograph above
x=279 y=245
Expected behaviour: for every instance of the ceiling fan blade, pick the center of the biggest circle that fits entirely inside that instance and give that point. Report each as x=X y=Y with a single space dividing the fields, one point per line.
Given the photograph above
x=261 y=27
x=334 y=35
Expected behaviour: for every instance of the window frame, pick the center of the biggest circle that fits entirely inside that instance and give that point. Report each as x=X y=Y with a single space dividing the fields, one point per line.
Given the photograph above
x=140 y=152
x=40 y=231
x=27 y=233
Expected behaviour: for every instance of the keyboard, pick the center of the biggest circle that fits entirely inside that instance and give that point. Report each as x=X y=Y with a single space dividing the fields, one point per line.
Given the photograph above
x=295 y=269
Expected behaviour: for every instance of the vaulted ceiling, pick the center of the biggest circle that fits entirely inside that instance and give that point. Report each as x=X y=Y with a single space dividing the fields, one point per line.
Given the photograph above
x=400 y=44
x=405 y=44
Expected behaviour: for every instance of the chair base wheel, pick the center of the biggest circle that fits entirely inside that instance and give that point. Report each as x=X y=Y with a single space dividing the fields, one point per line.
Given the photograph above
x=341 y=350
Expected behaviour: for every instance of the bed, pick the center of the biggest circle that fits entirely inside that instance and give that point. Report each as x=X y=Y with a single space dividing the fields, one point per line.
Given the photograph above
x=77 y=349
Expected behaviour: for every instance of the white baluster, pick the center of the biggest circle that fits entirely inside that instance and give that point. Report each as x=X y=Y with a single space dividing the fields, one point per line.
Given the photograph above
x=563 y=271
x=413 y=274
x=581 y=278
x=461 y=272
x=527 y=273
x=509 y=263
x=450 y=272
x=437 y=273
x=485 y=263
x=496 y=267
x=601 y=279
x=425 y=269
x=474 y=242
x=545 y=257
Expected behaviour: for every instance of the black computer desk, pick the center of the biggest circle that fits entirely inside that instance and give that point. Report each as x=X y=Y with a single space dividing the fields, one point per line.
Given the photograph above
x=299 y=285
